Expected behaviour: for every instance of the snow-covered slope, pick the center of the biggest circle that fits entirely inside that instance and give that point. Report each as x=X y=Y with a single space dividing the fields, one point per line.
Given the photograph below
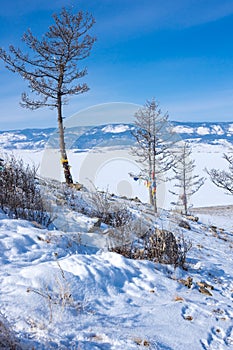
x=114 y=134
x=63 y=289
x=57 y=293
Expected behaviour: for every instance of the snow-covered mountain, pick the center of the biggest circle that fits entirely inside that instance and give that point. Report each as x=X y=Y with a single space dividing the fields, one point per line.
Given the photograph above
x=113 y=134
x=207 y=132
x=25 y=139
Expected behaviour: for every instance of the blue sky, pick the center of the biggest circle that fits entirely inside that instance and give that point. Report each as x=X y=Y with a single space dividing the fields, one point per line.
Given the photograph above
x=178 y=51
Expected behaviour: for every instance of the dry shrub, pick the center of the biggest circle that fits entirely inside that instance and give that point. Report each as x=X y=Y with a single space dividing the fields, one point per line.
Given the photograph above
x=155 y=245
x=102 y=206
x=161 y=246
x=94 y=203
x=8 y=339
x=121 y=239
x=20 y=195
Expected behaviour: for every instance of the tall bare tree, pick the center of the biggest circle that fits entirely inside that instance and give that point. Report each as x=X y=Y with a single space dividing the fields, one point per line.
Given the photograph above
x=154 y=140
x=50 y=66
x=187 y=181
x=222 y=178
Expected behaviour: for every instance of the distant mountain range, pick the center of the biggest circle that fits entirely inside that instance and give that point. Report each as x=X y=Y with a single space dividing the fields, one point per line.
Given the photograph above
x=111 y=135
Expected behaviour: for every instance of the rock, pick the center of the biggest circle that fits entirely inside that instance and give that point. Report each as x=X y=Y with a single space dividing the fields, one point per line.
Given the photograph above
x=135 y=199
x=213 y=228
x=188 y=318
x=192 y=218
x=205 y=291
x=187 y=283
x=179 y=299
x=76 y=186
x=96 y=223
x=204 y=285
x=141 y=342
x=185 y=225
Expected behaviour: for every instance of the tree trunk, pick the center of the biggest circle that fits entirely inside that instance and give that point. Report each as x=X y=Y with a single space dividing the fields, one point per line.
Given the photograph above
x=185 y=204
x=154 y=196
x=64 y=159
x=153 y=177
x=155 y=203
x=152 y=193
x=185 y=186
x=152 y=184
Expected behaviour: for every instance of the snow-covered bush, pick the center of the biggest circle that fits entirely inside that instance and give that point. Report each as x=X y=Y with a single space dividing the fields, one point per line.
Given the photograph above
x=20 y=195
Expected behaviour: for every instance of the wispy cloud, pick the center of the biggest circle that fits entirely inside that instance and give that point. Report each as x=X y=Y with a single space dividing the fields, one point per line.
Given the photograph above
x=136 y=16
x=19 y=7
x=195 y=13
x=217 y=105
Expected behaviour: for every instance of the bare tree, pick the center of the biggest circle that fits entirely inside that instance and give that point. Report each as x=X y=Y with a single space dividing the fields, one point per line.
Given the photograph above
x=154 y=140
x=187 y=182
x=222 y=178
x=51 y=68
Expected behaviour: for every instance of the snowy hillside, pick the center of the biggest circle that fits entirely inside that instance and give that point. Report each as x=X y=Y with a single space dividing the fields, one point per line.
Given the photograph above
x=60 y=290
x=115 y=134
x=64 y=289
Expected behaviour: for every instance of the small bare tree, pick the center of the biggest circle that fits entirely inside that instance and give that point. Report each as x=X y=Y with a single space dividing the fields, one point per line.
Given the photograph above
x=154 y=140
x=222 y=178
x=52 y=67
x=187 y=182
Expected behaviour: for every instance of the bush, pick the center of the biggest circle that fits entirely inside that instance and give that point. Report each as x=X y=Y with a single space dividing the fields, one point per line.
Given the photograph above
x=161 y=246
x=20 y=195
x=8 y=339
x=102 y=206
x=155 y=245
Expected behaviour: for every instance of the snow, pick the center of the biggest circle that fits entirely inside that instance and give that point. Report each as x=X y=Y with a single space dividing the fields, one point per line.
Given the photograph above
x=216 y=129
x=180 y=129
x=115 y=129
x=101 y=300
x=201 y=130
x=230 y=128
x=63 y=289
x=219 y=216
x=9 y=137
